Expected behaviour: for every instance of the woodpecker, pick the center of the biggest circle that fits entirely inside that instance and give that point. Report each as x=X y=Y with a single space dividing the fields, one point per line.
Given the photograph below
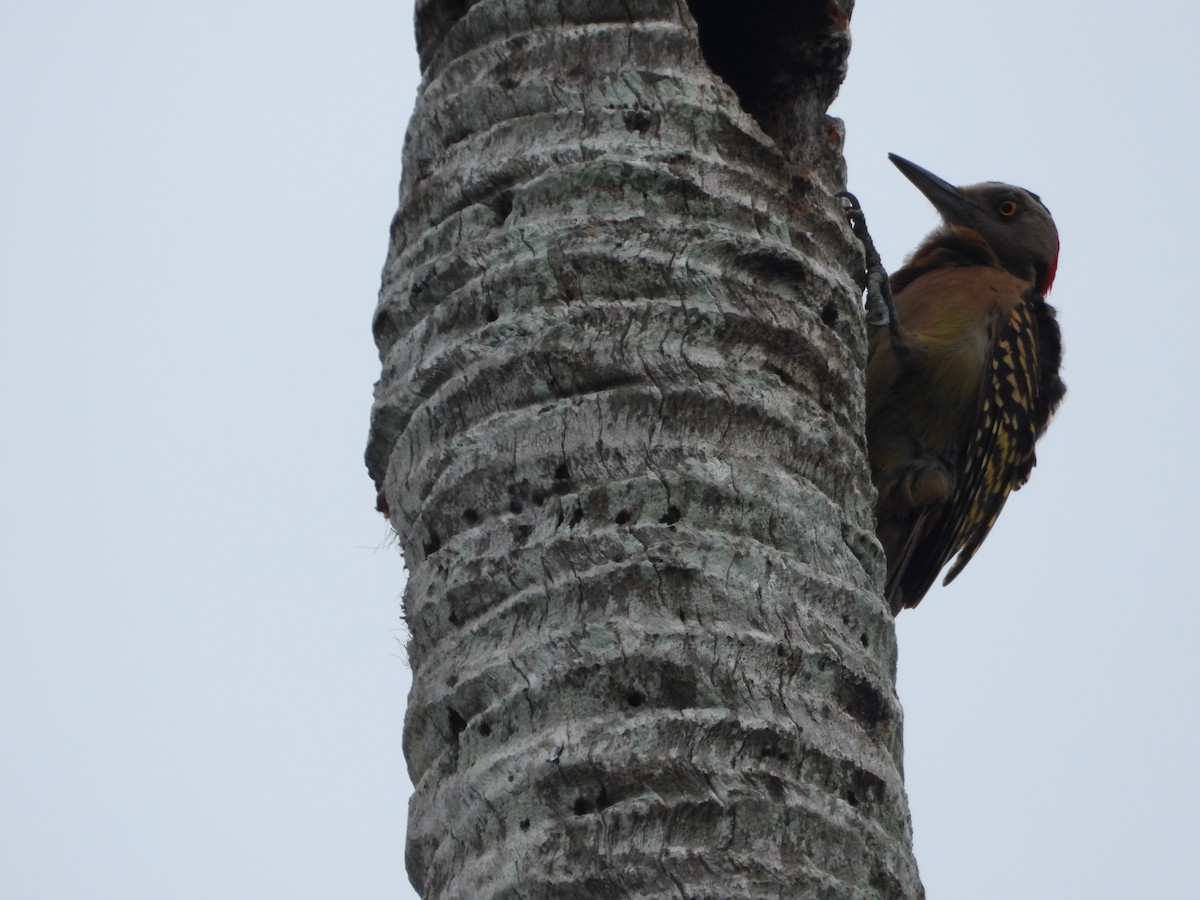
x=962 y=374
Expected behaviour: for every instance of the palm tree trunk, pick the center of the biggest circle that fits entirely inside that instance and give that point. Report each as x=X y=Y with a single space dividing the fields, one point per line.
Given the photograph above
x=619 y=433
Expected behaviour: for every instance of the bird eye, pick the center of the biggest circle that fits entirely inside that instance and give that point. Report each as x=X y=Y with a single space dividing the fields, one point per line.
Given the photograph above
x=1007 y=208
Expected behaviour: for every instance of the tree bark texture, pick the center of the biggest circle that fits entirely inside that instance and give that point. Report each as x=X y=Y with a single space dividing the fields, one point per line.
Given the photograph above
x=619 y=434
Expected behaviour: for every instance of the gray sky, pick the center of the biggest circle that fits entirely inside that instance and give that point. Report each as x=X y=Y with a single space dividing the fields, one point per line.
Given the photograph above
x=201 y=685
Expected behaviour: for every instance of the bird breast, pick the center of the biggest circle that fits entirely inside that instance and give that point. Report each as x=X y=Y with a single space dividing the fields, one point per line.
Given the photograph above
x=947 y=316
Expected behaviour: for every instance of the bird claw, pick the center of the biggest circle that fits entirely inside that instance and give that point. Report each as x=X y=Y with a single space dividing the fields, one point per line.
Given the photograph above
x=880 y=309
x=853 y=210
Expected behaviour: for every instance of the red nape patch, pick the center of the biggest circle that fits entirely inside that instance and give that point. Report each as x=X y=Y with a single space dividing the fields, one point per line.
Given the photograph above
x=1047 y=281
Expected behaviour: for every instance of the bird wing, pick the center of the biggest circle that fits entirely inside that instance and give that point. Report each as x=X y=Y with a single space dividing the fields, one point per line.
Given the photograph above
x=1000 y=454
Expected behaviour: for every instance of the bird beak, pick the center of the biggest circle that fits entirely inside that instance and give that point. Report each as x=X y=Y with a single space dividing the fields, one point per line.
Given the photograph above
x=945 y=197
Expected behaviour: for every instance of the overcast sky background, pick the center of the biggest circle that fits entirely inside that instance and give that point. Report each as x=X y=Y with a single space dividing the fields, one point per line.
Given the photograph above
x=201 y=671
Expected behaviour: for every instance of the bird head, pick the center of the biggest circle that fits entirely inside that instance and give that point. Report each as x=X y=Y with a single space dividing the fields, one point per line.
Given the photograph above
x=1013 y=221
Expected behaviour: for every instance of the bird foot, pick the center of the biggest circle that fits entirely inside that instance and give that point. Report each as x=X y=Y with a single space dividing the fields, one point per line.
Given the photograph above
x=881 y=310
